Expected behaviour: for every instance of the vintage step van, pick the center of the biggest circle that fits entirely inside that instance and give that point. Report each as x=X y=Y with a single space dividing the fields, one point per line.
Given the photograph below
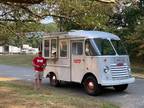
x=93 y=58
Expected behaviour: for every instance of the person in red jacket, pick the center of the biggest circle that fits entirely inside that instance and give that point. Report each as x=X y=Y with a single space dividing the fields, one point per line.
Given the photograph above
x=39 y=64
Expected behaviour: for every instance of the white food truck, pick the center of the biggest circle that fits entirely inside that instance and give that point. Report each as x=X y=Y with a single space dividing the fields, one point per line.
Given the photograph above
x=93 y=58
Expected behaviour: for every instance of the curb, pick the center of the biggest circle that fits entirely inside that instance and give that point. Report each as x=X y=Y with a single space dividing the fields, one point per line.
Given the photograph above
x=138 y=75
x=7 y=79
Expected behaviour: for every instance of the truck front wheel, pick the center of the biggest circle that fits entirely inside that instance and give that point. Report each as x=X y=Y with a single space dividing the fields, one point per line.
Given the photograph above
x=91 y=86
x=120 y=87
x=53 y=80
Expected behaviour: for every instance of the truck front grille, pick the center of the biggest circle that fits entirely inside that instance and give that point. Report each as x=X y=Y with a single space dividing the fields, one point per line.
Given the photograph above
x=119 y=72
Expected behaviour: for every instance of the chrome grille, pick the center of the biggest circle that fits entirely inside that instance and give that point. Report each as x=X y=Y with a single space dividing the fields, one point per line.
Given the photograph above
x=119 y=72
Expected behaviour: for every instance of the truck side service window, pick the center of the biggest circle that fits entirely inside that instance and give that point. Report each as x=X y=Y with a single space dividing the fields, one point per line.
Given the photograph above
x=53 y=48
x=46 y=48
x=89 y=50
x=63 y=48
x=77 y=48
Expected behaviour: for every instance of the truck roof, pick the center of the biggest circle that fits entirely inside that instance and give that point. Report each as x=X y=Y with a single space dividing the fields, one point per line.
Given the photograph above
x=93 y=34
x=84 y=34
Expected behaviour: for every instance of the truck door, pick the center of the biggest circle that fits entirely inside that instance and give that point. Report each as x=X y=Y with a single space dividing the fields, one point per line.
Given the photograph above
x=77 y=60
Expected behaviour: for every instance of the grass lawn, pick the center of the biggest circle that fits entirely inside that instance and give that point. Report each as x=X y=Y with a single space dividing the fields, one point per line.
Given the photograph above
x=17 y=60
x=18 y=94
x=138 y=68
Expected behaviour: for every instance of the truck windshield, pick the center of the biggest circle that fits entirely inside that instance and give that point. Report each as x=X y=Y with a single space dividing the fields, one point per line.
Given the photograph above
x=119 y=47
x=104 y=46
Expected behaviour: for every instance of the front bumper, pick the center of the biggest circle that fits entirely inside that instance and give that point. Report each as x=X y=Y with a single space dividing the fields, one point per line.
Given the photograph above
x=117 y=82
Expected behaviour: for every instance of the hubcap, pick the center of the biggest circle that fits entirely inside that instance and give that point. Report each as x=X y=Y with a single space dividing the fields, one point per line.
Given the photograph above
x=53 y=77
x=53 y=80
x=91 y=85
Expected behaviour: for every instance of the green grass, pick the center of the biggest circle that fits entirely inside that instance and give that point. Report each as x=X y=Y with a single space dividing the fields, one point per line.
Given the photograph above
x=17 y=60
x=19 y=94
x=137 y=67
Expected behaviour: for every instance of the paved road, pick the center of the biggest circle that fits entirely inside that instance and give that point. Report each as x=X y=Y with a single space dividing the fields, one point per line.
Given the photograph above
x=133 y=97
x=21 y=73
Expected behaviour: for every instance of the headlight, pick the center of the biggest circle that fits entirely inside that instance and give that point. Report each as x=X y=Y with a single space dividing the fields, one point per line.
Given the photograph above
x=129 y=69
x=106 y=69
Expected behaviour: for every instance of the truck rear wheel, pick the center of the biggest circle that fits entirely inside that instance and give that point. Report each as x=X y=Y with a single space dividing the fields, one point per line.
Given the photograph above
x=120 y=87
x=53 y=80
x=91 y=86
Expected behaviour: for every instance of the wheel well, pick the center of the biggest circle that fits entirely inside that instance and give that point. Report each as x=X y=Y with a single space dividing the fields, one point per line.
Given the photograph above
x=49 y=74
x=86 y=75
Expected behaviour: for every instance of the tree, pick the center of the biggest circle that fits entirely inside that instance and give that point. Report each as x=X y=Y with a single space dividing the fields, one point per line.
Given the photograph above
x=130 y=28
x=75 y=14
x=78 y=14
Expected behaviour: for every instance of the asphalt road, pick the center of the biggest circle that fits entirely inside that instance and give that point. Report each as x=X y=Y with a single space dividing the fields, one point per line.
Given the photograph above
x=133 y=97
x=20 y=73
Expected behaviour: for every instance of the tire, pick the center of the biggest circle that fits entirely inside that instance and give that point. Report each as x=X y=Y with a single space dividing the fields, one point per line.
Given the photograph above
x=120 y=88
x=91 y=86
x=53 y=80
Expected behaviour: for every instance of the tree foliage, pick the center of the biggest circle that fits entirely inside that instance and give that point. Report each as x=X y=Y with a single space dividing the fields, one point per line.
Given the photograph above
x=129 y=25
x=18 y=18
x=82 y=14
x=18 y=33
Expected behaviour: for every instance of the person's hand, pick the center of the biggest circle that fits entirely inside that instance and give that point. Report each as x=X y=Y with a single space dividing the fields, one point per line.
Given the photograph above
x=43 y=66
x=37 y=66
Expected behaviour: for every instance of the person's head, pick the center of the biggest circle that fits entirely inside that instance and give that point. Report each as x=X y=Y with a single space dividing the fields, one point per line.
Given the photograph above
x=40 y=53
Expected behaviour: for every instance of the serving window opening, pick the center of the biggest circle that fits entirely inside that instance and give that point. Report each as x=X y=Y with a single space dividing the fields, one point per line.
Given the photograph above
x=46 y=48
x=63 y=48
x=53 y=48
x=50 y=48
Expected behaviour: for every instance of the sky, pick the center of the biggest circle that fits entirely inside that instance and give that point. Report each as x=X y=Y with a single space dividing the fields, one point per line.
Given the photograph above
x=47 y=20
